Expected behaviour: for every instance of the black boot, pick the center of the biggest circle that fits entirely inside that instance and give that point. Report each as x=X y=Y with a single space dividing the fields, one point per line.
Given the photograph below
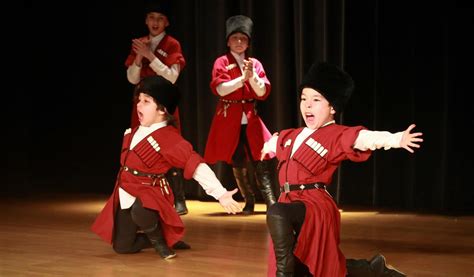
x=242 y=179
x=283 y=238
x=175 y=179
x=156 y=237
x=359 y=268
x=382 y=269
x=264 y=174
x=376 y=267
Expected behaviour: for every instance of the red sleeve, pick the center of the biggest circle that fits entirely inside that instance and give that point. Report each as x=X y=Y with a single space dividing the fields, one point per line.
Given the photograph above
x=347 y=140
x=175 y=53
x=130 y=59
x=220 y=74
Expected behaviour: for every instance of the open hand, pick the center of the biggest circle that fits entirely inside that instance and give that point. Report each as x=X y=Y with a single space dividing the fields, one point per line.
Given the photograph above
x=411 y=140
x=142 y=48
x=229 y=204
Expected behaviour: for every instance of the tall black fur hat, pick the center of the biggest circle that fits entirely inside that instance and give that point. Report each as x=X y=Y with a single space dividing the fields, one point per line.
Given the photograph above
x=239 y=23
x=163 y=91
x=332 y=82
x=158 y=6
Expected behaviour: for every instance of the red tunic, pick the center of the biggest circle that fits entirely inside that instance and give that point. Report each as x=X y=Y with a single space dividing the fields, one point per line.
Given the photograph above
x=225 y=128
x=316 y=160
x=174 y=151
x=168 y=52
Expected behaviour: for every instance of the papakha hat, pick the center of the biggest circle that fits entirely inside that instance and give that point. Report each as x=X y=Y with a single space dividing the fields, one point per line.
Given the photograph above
x=332 y=82
x=239 y=23
x=158 y=6
x=163 y=91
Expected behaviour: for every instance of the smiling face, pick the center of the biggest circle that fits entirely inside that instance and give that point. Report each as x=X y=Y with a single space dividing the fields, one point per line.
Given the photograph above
x=238 y=42
x=156 y=23
x=148 y=111
x=315 y=109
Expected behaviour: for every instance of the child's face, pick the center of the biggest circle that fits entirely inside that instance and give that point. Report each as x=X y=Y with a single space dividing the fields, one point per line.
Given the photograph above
x=156 y=23
x=148 y=112
x=315 y=109
x=238 y=43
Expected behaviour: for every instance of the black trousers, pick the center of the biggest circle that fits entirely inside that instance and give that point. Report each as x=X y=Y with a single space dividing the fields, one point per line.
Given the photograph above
x=128 y=222
x=242 y=153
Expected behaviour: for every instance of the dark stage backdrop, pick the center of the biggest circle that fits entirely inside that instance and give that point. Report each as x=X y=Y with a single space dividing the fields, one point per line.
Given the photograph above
x=72 y=102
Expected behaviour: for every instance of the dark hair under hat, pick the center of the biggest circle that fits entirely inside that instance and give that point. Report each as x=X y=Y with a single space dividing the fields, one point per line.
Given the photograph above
x=163 y=91
x=332 y=82
x=239 y=23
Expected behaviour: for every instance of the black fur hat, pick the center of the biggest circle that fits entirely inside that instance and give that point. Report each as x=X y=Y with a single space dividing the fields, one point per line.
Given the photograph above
x=163 y=91
x=158 y=6
x=332 y=82
x=239 y=23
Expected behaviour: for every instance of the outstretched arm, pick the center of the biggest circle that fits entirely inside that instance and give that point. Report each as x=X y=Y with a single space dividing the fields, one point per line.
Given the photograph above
x=377 y=139
x=213 y=187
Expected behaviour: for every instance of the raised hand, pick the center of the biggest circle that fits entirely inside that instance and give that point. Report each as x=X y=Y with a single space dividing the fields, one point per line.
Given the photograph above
x=229 y=204
x=142 y=48
x=248 y=69
x=411 y=140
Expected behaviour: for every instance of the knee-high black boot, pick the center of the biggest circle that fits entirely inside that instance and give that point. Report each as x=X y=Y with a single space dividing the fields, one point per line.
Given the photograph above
x=376 y=267
x=175 y=179
x=156 y=237
x=283 y=239
x=263 y=174
x=242 y=179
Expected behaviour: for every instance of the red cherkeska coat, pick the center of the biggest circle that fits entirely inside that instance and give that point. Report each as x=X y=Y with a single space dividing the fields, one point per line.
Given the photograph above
x=169 y=52
x=316 y=160
x=225 y=128
x=172 y=151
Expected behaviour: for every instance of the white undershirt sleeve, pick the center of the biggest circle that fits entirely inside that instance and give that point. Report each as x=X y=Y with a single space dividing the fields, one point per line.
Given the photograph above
x=258 y=85
x=133 y=73
x=228 y=87
x=270 y=145
x=208 y=181
x=169 y=73
x=377 y=139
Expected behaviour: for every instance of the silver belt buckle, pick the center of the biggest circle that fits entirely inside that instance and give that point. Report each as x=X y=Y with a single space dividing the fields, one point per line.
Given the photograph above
x=286 y=187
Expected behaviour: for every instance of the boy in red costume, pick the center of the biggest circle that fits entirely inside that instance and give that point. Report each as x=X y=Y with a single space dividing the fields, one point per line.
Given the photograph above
x=142 y=199
x=305 y=223
x=237 y=133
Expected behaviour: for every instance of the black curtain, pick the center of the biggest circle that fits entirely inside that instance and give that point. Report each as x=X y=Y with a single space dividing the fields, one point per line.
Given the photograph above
x=405 y=58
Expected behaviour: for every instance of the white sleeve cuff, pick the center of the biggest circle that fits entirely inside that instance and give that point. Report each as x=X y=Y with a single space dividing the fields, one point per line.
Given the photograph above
x=208 y=181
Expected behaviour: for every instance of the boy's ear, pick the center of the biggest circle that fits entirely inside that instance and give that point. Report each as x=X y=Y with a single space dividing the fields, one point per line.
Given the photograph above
x=333 y=111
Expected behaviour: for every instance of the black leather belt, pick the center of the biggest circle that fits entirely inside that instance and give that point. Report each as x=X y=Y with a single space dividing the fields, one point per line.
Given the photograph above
x=142 y=174
x=243 y=101
x=158 y=179
x=292 y=187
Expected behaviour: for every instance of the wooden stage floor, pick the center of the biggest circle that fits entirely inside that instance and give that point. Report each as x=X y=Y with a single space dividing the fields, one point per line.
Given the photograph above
x=50 y=236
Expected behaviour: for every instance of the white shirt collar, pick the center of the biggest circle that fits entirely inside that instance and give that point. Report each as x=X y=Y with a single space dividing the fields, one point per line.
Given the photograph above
x=154 y=41
x=238 y=57
x=144 y=131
